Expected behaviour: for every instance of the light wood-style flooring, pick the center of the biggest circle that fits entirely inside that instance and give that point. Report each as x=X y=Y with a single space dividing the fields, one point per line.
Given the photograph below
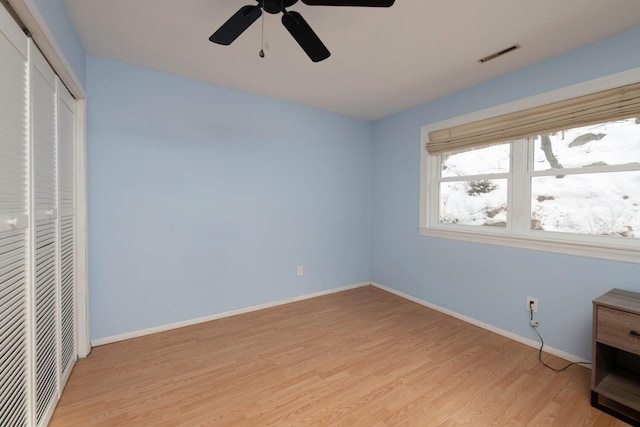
x=362 y=357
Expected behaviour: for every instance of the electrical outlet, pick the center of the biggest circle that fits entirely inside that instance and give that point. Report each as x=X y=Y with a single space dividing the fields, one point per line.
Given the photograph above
x=532 y=304
x=300 y=271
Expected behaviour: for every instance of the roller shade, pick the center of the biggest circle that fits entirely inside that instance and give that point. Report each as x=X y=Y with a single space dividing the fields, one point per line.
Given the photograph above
x=614 y=104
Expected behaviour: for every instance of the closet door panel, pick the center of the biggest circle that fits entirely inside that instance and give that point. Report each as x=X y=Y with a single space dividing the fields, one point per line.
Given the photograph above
x=13 y=224
x=43 y=128
x=13 y=327
x=66 y=173
x=44 y=161
x=67 y=297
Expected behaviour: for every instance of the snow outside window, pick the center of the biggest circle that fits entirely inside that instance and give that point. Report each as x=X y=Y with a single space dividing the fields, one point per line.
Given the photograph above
x=573 y=191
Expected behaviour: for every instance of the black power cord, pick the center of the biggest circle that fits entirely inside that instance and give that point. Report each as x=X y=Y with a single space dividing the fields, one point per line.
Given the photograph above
x=542 y=346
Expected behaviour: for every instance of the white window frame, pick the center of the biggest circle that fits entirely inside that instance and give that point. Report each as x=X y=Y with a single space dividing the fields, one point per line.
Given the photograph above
x=518 y=234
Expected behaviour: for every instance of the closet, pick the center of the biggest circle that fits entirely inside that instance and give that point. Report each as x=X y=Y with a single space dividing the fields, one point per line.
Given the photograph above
x=37 y=231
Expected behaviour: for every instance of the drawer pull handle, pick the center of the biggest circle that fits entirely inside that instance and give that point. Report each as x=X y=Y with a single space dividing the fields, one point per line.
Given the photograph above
x=635 y=334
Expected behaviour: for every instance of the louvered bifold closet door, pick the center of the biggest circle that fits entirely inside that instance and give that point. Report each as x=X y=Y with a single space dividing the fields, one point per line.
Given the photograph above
x=44 y=161
x=14 y=224
x=66 y=173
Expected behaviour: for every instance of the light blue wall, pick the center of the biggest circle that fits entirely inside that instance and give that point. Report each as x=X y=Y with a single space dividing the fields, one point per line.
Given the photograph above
x=204 y=199
x=57 y=18
x=490 y=283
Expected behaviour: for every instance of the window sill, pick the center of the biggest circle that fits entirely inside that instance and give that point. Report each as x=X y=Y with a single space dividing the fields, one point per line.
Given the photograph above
x=567 y=247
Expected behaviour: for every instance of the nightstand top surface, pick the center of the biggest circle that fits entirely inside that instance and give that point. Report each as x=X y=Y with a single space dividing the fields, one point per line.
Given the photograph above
x=620 y=299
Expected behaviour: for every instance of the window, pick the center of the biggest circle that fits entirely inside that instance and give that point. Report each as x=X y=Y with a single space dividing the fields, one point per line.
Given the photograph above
x=473 y=186
x=540 y=178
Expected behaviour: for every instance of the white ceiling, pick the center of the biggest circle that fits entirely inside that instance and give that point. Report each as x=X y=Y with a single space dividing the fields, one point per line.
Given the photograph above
x=382 y=60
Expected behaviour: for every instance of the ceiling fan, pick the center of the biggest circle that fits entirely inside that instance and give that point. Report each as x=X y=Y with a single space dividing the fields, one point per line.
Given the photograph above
x=292 y=21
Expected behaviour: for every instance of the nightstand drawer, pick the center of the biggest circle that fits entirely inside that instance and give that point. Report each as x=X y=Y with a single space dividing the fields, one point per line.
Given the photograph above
x=619 y=329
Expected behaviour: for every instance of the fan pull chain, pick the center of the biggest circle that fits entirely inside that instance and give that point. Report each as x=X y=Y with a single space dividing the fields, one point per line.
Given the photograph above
x=261 y=53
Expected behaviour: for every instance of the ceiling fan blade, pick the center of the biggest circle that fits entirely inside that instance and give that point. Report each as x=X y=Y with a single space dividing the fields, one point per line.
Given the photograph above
x=236 y=25
x=304 y=35
x=365 y=3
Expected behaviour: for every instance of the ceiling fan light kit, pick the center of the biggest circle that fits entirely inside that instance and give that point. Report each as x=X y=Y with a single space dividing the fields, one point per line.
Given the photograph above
x=292 y=21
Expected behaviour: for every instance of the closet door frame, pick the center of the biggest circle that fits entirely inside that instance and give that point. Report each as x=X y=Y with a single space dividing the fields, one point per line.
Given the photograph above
x=28 y=13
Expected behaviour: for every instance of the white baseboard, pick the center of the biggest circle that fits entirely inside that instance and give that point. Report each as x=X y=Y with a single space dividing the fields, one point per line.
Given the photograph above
x=499 y=331
x=162 y=328
x=475 y=322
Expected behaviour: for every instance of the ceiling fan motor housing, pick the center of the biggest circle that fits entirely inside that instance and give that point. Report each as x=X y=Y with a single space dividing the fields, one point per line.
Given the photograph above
x=276 y=6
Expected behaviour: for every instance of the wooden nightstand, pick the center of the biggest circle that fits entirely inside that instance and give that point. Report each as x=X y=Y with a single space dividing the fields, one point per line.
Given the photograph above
x=615 y=373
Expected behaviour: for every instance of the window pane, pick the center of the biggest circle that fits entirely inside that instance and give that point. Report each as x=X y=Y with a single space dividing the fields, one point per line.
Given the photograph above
x=482 y=202
x=606 y=204
x=613 y=143
x=479 y=161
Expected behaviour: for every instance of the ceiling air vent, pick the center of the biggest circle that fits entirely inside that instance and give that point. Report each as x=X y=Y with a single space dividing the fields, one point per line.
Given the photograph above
x=495 y=55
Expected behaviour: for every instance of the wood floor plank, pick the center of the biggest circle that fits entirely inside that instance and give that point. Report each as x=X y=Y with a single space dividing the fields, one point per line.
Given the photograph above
x=362 y=357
